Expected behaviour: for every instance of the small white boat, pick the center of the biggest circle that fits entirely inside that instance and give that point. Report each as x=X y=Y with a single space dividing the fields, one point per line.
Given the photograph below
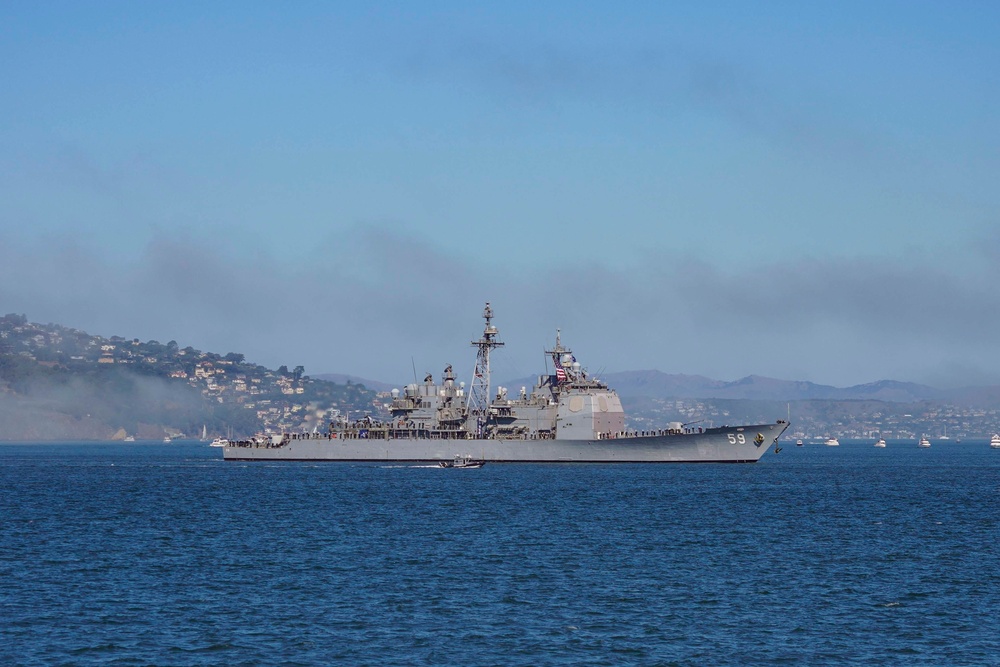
x=880 y=443
x=832 y=442
x=129 y=438
x=924 y=442
x=463 y=462
x=798 y=443
x=166 y=438
x=995 y=441
x=219 y=442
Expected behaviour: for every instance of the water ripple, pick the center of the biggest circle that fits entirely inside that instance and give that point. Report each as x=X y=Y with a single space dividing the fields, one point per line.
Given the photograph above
x=113 y=555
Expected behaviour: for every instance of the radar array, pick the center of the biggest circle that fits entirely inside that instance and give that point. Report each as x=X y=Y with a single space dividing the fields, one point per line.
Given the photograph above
x=479 y=395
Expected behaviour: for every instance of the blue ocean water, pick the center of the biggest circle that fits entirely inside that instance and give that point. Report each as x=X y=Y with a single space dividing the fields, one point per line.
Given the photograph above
x=114 y=554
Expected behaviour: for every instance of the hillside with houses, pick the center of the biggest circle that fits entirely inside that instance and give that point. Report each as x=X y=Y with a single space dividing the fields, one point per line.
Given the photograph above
x=62 y=383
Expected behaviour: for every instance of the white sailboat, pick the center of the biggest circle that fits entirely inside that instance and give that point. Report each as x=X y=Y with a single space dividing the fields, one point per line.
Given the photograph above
x=204 y=433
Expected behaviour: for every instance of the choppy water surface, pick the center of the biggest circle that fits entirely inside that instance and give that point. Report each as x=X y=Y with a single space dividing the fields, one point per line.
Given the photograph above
x=166 y=555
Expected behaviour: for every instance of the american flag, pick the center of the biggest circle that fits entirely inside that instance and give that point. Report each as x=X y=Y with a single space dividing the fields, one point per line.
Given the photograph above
x=560 y=373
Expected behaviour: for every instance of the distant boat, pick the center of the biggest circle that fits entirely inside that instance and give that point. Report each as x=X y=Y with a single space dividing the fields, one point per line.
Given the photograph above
x=945 y=436
x=129 y=438
x=880 y=443
x=204 y=433
x=832 y=442
x=995 y=441
x=924 y=442
x=166 y=438
x=220 y=441
x=798 y=443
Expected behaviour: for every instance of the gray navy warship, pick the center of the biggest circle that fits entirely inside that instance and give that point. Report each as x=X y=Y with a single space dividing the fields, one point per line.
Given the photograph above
x=568 y=417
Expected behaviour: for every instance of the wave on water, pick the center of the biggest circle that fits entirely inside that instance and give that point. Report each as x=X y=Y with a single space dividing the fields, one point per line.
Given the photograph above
x=117 y=555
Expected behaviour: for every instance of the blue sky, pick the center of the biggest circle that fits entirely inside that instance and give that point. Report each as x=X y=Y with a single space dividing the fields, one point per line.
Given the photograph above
x=797 y=191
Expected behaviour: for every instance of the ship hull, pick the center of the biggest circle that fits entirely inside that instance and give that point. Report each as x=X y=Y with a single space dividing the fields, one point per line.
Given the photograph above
x=734 y=444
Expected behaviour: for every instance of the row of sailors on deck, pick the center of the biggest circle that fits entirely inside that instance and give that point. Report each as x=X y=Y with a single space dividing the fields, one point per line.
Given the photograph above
x=532 y=436
x=645 y=434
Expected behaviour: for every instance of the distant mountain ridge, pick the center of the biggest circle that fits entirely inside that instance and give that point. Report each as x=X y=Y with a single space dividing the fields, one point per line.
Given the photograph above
x=657 y=384
x=341 y=378
x=653 y=383
x=757 y=387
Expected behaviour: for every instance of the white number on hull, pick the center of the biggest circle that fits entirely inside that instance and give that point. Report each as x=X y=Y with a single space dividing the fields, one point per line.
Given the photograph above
x=737 y=438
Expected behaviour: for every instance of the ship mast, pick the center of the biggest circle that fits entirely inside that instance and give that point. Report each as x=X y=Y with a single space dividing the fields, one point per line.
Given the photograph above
x=562 y=373
x=479 y=395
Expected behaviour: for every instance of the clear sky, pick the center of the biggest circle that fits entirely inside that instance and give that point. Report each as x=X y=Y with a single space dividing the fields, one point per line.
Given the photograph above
x=799 y=190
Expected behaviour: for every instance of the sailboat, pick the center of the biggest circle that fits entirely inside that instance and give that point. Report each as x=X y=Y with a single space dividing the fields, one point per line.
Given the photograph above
x=204 y=433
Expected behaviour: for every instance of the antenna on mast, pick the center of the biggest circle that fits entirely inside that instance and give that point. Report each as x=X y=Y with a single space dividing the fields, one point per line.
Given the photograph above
x=479 y=394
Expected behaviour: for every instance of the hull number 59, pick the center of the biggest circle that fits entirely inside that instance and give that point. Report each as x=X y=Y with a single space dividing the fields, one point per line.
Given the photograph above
x=735 y=438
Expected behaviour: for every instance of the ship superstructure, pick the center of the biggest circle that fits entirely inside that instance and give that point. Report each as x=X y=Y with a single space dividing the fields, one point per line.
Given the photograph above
x=568 y=416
